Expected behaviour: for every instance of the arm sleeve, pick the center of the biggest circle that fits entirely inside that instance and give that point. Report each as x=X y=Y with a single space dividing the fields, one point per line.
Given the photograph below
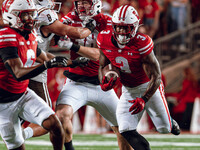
x=39 y=51
x=8 y=53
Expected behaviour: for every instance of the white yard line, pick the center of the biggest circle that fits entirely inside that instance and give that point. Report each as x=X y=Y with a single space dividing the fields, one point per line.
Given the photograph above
x=114 y=143
x=111 y=143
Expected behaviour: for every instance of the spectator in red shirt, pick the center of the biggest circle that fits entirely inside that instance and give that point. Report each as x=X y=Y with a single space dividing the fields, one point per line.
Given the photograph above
x=185 y=99
x=150 y=16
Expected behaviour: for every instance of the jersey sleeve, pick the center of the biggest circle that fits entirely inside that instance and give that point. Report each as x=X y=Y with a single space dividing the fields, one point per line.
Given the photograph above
x=8 y=39
x=146 y=45
x=67 y=19
x=99 y=40
x=47 y=16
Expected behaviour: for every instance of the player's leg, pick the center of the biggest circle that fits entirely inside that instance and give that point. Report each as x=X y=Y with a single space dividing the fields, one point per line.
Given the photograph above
x=127 y=122
x=71 y=98
x=106 y=105
x=65 y=113
x=40 y=88
x=157 y=109
x=53 y=125
x=10 y=126
x=35 y=110
x=122 y=142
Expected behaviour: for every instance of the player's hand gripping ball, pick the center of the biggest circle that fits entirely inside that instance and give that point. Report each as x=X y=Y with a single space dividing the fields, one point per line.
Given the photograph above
x=111 y=75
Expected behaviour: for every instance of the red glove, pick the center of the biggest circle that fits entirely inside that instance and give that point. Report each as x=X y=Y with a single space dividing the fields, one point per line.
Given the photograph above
x=107 y=86
x=138 y=105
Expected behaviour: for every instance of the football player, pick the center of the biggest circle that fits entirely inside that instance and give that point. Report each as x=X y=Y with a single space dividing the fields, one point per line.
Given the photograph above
x=132 y=52
x=18 y=52
x=82 y=85
x=47 y=26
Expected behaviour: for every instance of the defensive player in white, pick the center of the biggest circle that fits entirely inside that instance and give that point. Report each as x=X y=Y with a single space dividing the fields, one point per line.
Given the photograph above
x=18 y=52
x=82 y=85
x=132 y=52
x=47 y=26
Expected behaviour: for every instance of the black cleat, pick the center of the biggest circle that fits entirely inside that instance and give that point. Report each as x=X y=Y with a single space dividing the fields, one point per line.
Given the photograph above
x=175 y=128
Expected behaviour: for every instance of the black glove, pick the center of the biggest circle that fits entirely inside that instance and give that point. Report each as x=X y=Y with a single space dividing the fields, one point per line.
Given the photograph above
x=58 y=61
x=80 y=61
x=91 y=25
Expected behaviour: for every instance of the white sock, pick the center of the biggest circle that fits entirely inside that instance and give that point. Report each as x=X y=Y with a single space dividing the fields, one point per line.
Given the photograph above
x=27 y=133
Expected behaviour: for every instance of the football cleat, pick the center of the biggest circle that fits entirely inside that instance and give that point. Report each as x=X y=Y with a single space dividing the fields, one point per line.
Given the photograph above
x=175 y=128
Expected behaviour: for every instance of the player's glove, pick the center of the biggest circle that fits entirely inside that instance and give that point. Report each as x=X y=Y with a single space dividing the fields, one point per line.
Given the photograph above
x=80 y=61
x=65 y=42
x=138 y=105
x=58 y=61
x=90 y=24
x=105 y=86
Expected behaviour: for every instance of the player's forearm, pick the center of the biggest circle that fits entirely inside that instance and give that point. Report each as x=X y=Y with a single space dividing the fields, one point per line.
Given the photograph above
x=77 y=33
x=24 y=73
x=153 y=85
x=91 y=53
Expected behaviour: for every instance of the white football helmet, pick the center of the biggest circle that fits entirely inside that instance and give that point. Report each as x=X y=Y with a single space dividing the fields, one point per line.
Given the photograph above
x=95 y=9
x=19 y=14
x=49 y=4
x=125 y=23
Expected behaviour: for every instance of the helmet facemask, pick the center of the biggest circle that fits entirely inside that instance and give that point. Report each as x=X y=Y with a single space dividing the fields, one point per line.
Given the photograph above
x=27 y=19
x=19 y=14
x=125 y=23
x=86 y=9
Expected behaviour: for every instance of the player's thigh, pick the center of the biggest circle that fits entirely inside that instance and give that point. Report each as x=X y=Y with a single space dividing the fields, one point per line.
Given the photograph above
x=41 y=90
x=73 y=94
x=35 y=110
x=106 y=105
x=10 y=127
x=158 y=111
x=125 y=120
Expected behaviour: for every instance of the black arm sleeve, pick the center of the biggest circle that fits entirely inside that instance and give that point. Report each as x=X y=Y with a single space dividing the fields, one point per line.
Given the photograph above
x=8 y=53
x=39 y=51
x=29 y=75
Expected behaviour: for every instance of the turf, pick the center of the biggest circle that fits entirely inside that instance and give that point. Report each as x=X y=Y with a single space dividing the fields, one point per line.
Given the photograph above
x=108 y=142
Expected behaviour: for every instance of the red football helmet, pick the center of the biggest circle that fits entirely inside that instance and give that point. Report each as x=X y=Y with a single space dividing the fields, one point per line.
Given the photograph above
x=94 y=9
x=20 y=14
x=125 y=23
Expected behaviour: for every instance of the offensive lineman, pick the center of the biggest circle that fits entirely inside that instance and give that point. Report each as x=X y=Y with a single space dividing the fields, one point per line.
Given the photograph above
x=47 y=26
x=82 y=85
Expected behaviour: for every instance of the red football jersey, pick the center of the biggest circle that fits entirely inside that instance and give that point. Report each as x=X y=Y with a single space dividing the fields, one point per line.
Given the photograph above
x=27 y=53
x=102 y=22
x=128 y=59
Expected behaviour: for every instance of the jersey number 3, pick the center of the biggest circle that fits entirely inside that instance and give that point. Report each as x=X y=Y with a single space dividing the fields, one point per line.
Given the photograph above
x=124 y=64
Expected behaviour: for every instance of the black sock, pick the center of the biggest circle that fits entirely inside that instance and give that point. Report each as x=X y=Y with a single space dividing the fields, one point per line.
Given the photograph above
x=69 y=146
x=137 y=141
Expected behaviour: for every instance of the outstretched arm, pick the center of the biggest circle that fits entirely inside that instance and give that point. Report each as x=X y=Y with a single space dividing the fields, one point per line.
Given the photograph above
x=62 y=29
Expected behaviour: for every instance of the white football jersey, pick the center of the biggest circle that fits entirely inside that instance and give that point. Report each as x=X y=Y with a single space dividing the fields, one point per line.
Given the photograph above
x=46 y=16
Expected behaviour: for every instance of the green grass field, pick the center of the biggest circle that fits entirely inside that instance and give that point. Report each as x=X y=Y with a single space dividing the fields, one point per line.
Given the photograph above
x=108 y=142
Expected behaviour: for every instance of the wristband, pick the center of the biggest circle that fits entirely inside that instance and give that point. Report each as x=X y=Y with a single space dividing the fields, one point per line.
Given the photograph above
x=75 y=47
x=144 y=98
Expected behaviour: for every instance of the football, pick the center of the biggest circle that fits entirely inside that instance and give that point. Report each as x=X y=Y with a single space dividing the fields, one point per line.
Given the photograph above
x=111 y=71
